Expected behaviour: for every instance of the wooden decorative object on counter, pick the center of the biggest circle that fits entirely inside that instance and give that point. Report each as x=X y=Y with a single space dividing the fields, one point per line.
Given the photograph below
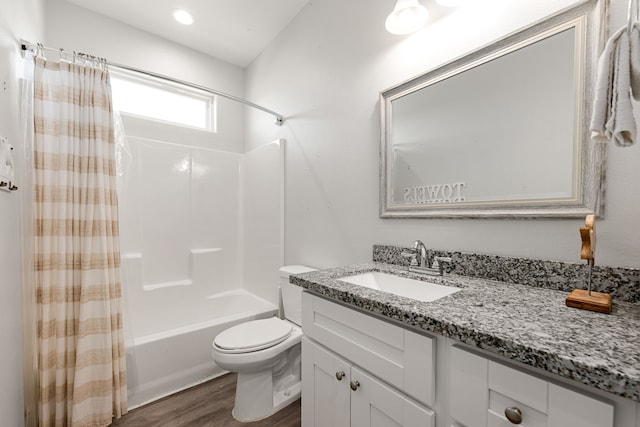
x=587 y=299
x=594 y=301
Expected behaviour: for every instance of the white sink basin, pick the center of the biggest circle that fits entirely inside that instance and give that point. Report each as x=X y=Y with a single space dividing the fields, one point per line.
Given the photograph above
x=401 y=286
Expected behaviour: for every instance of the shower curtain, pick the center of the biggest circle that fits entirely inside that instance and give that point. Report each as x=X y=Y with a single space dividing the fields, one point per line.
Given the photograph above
x=81 y=377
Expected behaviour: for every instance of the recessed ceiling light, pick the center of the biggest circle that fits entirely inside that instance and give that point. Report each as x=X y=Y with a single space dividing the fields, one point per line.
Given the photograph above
x=182 y=16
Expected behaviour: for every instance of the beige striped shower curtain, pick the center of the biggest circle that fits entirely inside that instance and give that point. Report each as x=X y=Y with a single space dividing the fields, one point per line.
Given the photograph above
x=81 y=356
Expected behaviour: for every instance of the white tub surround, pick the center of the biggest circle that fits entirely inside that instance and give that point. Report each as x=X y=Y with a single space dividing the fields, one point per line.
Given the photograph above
x=187 y=215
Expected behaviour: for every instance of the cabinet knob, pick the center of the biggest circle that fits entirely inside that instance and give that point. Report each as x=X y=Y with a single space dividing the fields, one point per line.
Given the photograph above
x=339 y=375
x=514 y=415
x=355 y=385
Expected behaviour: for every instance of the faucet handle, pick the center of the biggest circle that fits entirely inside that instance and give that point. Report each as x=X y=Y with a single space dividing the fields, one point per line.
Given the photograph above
x=439 y=260
x=412 y=254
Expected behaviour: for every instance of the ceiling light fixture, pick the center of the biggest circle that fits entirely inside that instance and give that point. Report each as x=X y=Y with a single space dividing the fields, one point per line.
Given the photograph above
x=407 y=17
x=182 y=16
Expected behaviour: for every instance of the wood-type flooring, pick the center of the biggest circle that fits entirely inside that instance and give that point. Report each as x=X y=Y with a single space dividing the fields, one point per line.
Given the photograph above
x=206 y=405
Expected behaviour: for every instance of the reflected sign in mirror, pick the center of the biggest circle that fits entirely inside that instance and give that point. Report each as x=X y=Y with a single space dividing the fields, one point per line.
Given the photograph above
x=500 y=132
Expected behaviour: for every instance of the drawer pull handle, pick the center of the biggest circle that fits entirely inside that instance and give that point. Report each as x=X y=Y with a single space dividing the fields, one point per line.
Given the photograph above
x=355 y=385
x=339 y=375
x=514 y=415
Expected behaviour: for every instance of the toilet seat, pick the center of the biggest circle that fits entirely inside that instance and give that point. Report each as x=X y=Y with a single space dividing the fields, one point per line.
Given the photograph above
x=252 y=336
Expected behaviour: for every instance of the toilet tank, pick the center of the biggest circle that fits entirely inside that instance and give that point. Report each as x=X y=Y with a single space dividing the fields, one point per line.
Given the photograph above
x=292 y=294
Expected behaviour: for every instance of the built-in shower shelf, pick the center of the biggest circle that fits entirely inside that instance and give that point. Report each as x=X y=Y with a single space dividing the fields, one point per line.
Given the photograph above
x=155 y=286
x=132 y=255
x=204 y=251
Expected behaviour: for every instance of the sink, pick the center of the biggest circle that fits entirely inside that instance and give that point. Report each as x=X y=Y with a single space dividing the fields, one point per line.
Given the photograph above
x=401 y=286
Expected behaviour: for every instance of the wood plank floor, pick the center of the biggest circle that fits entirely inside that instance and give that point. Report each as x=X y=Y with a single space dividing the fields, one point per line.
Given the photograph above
x=206 y=405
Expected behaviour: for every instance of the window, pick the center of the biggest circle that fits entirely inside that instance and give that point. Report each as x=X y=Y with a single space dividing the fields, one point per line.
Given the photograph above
x=153 y=98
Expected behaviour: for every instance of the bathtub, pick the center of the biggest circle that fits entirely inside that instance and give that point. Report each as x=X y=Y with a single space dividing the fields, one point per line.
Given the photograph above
x=162 y=360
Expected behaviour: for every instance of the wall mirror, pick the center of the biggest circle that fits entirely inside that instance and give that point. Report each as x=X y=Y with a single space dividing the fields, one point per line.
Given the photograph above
x=501 y=132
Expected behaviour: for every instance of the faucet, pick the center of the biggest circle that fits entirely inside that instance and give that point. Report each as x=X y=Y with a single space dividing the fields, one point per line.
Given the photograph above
x=423 y=261
x=420 y=256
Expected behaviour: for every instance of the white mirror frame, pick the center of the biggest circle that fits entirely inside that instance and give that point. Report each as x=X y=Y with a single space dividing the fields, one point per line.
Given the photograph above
x=589 y=19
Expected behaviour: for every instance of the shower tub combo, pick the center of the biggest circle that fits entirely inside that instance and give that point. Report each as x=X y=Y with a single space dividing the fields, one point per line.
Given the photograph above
x=186 y=214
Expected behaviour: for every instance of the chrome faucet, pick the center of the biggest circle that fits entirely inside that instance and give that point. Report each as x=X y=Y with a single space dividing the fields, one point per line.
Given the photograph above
x=423 y=261
x=420 y=256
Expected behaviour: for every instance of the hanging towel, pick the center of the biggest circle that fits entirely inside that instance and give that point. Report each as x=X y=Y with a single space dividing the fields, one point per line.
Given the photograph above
x=612 y=118
x=6 y=160
x=634 y=47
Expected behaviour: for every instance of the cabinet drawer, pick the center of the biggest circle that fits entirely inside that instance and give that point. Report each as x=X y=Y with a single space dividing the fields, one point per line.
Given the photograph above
x=400 y=357
x=482 y=389
x=567 y=407
x=523 y=388
x=496 y=413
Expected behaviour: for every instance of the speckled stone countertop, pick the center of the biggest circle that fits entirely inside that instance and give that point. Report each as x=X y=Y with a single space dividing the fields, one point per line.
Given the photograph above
x=523 y=323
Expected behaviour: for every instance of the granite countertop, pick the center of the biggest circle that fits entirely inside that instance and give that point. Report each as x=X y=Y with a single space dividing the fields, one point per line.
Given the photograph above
x=523 y=323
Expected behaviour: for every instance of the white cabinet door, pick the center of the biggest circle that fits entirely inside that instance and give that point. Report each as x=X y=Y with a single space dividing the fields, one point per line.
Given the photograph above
x=325 y=387
x=374 y=404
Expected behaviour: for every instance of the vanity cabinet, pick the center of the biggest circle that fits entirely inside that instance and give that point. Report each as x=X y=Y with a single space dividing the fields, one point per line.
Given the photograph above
x=485 y=393
x=361 y=371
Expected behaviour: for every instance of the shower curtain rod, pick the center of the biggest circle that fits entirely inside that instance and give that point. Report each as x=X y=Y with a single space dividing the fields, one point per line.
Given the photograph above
x=279 y=119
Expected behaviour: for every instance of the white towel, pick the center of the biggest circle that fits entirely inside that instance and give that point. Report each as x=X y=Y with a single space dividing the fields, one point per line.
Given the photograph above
x=613 y=118
x=6 y=160
x=634 y=46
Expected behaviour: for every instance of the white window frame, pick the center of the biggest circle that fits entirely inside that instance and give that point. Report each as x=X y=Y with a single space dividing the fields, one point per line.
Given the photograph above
x=210 y=100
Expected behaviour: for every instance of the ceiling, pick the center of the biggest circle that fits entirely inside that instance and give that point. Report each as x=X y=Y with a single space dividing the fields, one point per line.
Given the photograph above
x=235 y=31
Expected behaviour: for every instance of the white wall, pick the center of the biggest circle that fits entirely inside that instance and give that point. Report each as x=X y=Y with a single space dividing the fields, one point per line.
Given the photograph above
x=324 y=73
x=262 y=219
x=17 y=20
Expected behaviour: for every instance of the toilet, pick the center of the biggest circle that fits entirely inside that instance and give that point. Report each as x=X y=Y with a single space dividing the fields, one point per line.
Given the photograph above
x=266 y=354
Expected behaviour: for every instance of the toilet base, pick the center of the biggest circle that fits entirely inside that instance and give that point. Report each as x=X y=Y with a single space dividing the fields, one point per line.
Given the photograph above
x=256 y=397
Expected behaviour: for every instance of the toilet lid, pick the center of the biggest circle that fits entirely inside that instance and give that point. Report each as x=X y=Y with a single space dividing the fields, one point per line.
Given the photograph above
x=254 y=335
